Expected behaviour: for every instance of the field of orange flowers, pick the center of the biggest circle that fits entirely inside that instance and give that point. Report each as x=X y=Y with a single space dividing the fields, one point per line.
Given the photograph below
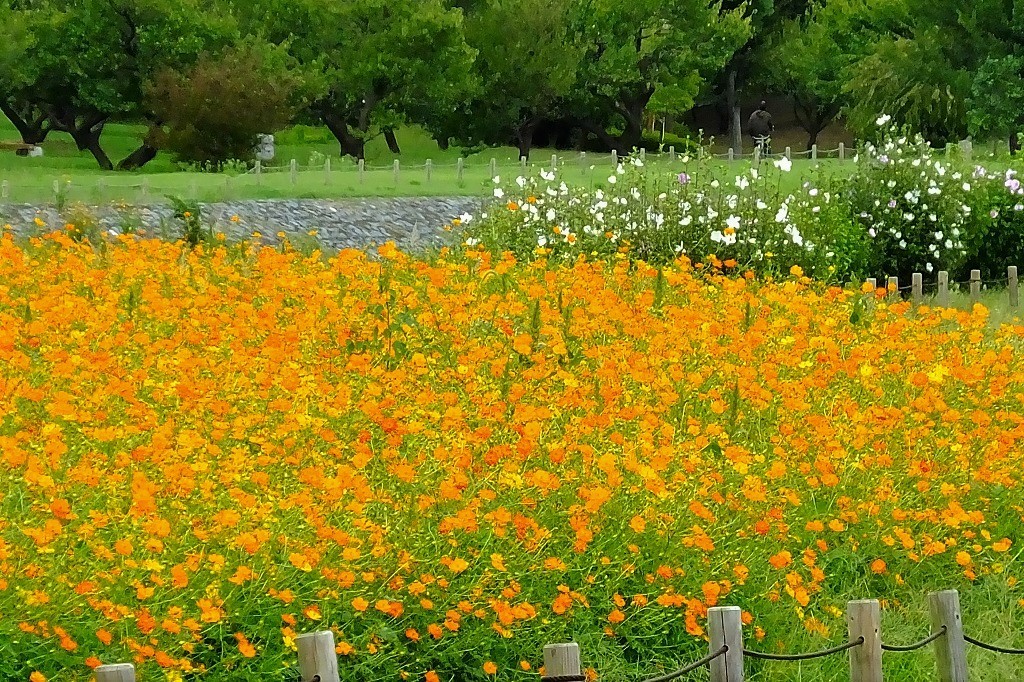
x=452 y=462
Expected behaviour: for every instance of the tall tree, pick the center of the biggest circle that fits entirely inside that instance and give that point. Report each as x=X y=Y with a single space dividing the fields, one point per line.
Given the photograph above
x=527 y=63
x=810 y=58
x=639 y=48
x=376 y=60
x=766 y=19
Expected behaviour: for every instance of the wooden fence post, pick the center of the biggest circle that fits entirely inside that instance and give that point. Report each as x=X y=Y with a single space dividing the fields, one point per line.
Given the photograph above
x=494 y=167
x=950 y=650
x=725 y=628
x=430 y=168
x=327 y=171
x=1011 y=276
x=615 y=158
x=814 y=152
x=5 y=190
x=396 y=171
x=842 y=151
x=294 y=171
x=975 y=286
x=362 y=170
x=671 y=153
x=56 y=191
x=789 y=153
x=864 y=618
x=643 y=153
x=562 y=660
x=554 y=162
x=460 y=167
x=317 y=657
x=943 y=295
x=892 y=288
x=732 y=154
x=757 y=155
x=258 y=170
x=917 y=287
x=116 y=672
x=522 y=165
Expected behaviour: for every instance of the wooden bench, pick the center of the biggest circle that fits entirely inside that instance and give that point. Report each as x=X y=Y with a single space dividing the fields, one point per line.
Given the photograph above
x=19 y=148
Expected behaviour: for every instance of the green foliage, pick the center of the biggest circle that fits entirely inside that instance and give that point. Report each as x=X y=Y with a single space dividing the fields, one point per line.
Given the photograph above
x=214 y=111
x=189 y=214
x=996 y=104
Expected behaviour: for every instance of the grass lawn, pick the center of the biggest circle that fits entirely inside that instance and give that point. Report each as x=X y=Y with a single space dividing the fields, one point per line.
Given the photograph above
x=32 y=180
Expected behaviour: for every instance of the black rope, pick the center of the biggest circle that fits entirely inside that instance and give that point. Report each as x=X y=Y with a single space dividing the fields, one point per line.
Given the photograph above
x=917 y=645
x=564 y=678
x=993 y=647
x=803 y=657
x=690 y=668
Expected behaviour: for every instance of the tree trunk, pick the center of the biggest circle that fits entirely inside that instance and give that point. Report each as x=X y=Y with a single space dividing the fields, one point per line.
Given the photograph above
x=443 y=144
x=138 y=158
x=32 y=131
x=352 y=145
x=1014 y=143
x=524 y=138
x=736 y=127
x=90 y=140
x=389 y=137
x=145 y=153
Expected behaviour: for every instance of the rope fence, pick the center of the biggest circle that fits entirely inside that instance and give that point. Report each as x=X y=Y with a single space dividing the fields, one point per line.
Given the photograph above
x=318 y=661
x=893 y=290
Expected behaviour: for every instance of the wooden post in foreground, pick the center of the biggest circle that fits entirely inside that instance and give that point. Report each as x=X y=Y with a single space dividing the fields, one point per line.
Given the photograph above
x=842 y=152
x=1011 y=276
x=943 y=295
x=522 y=165
x=327 y=171
x=975 y=286
x=317 y=657
x=117 y=672
x=293 y=170
x=892 y=289
x=917 y=287
x=725 y=628
x=864 y=618
x=494 y=167
x=554 y=162
x=562 y=660
x=460 y=169
x=397 y=167
x=789 y=153
x=732 y=154
x=362 y=170
x=430 y=168
x=950 y=650
x=814 y=152
x=615 y=158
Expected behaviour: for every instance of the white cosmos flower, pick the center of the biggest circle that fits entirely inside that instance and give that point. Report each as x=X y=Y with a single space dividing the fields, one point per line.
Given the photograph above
x=783 y=213
x=784 y=164
x=733 y=222
x=903 y=243
x=542 y=240
x=742 y=182
x=550 y=215
x=714 y=184
x=722 y=238
x=928 y=267
x=498 y=193
x=761 y=205
x=497 y=179
x=472 y=242
x=882 y=120
x=465 y=218
x=547 y=175
x=612 y=179
x=686 y=220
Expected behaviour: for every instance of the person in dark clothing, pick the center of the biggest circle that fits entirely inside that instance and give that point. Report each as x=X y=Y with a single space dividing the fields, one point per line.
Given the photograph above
x=760 y=127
